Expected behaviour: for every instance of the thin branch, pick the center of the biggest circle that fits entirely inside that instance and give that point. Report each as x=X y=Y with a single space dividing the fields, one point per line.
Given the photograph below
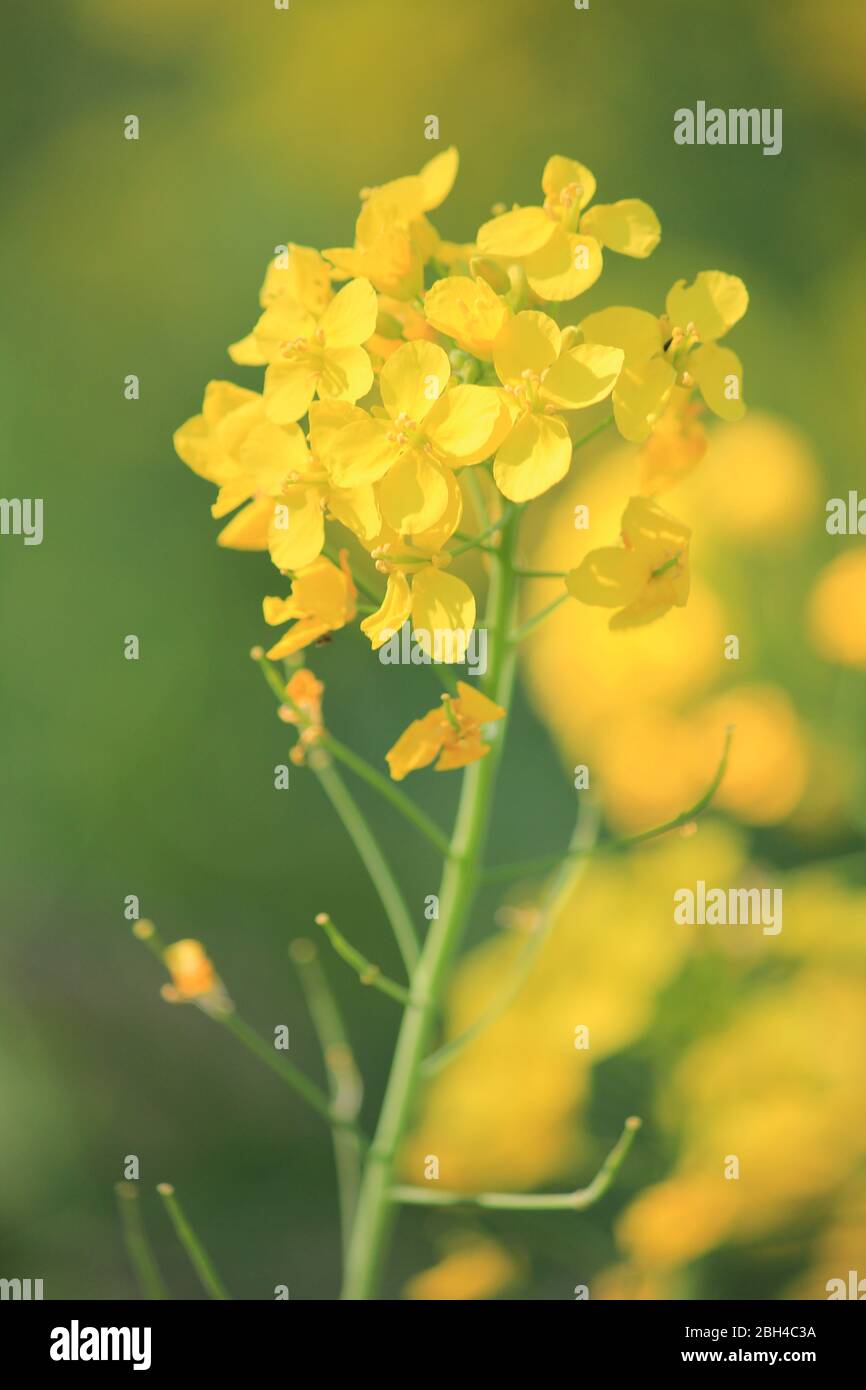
x=529 y=626
x=591 y=434
x=386 y=788
x=532 y=1201
x=501 y=873
x=470 y=542
x=582 y=842
x=344 y=1079
x=199 y=1258
x=367 y=972
x=288 y=1073
x=138 y=1246
x=356 y=827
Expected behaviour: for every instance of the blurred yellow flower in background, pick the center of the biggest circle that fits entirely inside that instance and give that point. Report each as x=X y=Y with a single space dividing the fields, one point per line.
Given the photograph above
x=836 y=613
x=475 y=1268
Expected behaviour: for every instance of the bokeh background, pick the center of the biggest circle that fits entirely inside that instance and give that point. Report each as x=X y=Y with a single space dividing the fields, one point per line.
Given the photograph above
x=155 y=777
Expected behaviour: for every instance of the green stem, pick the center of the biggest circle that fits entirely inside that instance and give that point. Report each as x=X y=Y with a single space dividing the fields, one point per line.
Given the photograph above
x=344 y=1079
x=375 y=1207
x=469 y=542
x=138 y=1248
x=373 y=860
x=590 y=434
x=530 y=1201
x=285 y=1070
x=199 y=1258
x=367 y=972
x=562 y=883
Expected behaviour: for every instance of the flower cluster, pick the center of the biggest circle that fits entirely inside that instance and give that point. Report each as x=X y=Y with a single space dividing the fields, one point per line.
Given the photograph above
x=397 y=367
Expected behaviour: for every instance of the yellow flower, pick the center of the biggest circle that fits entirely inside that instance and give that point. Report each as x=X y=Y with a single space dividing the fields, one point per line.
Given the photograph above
x=645 y=576
x=451 y=733
x=322 y=600
x=559 y=244
x=542 y=377
x=467 y=310
x=323 y=358
x=478 y=1268
x=393 y=238
x=194 y=980
x=837 y=610
x=303 y=709
x=425 y=430
x=297 y=287
x=441 y=606
x=676 y=445
x=284 y=483
x=680 y=347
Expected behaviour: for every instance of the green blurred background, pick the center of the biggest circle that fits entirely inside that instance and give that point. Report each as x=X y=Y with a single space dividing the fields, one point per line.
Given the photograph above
x=155 y=777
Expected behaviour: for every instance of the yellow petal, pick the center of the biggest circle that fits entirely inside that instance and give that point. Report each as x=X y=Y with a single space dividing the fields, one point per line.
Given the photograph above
x=629 y=226
x=477 y=706
x=469 y=311
x=462 y=425
x=413 y=379
x=638 y=333
x=527 y=343
x=714 y=303
x=283 y=320
x=437 y=177
x=296 y=532
x=271 y=453
x=414 y=494
x=362 y=452
x=516 y=233
x=609 y=577
x=433 y=538
x=300 y=635
x=289 y=388
x=357 y=508
x=327 y=418
x=247 y=352
x=645 y=523
x=463 y=751
x=249 y=529
x=348 y=374
x=280 y=610
x=395 y=609
x=559 y=172
x=535 y=456
x=640 y=396
x=582 y=377
x=443 y=614
x=350 y=318
x=567 y=266
x=416 y=747
x=230 y=495
x=326 y=590
x=719 y=374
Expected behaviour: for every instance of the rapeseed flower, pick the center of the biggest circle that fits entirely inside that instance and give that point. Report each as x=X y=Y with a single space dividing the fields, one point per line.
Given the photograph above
x=559 y=244
x=451 y=733
x=321 y=601
x=645 y=576
x=681 y=348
